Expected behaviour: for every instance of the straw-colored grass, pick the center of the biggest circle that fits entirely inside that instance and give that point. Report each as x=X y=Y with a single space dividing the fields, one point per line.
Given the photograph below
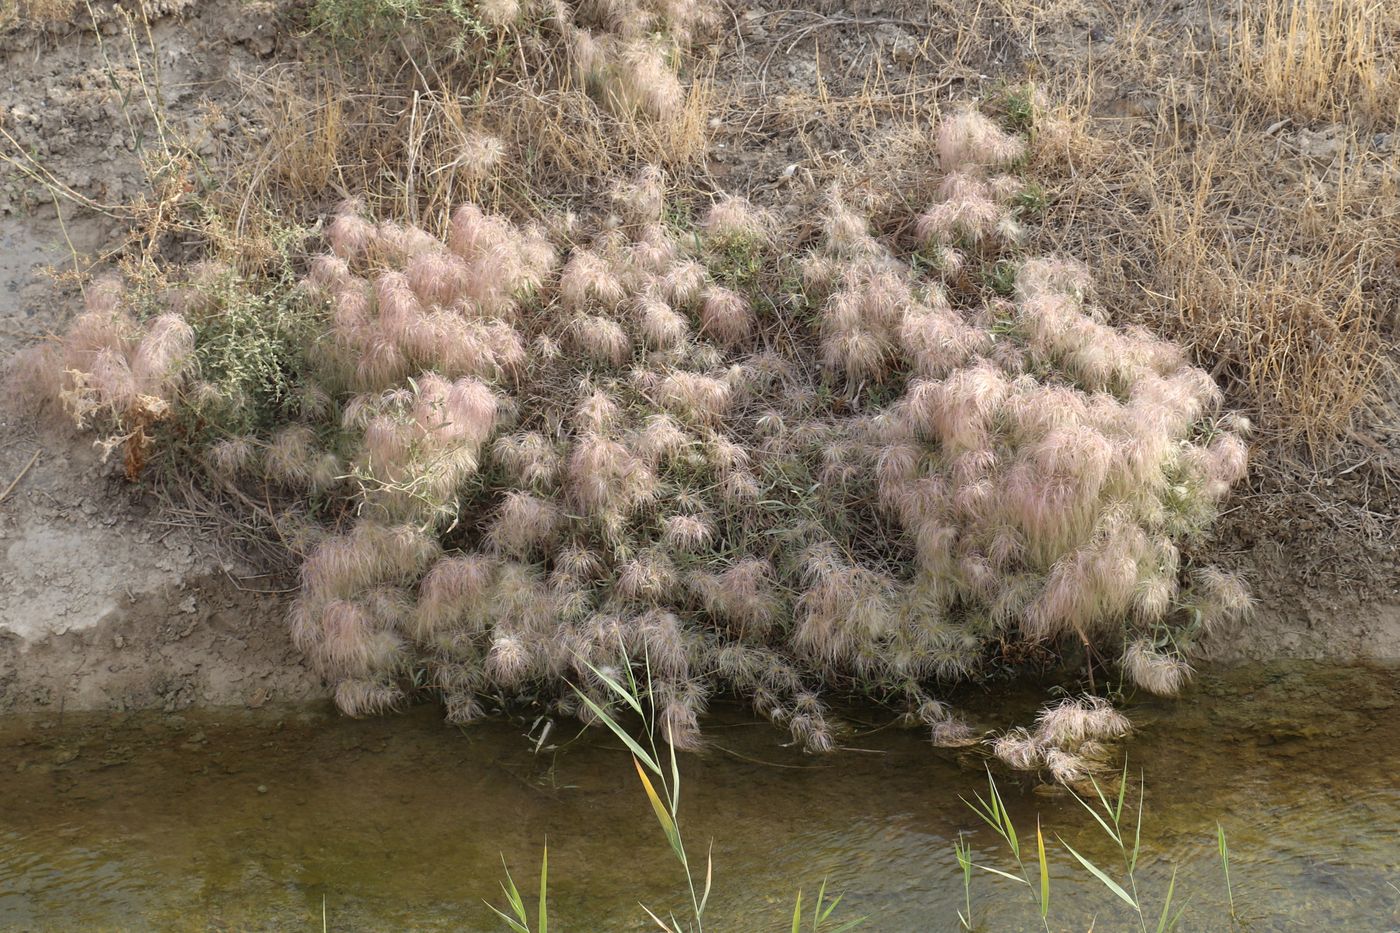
x=1320 y=59
x=15 y=13
x=1265 y=245
x=893 y=472
x=417 y=112
x=565 y=395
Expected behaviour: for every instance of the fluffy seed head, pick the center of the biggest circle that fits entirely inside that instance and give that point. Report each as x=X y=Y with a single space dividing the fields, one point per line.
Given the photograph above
x=647 y=578
x=1072 y=722
x=290 y=457
x=694 y=397
x=1221 y=596
x=686 y=533
x=952 y=733
x=454 y=592
x=685 y=281
x=589 y=280
x=661 y=438
x=1154 y=671
x=1065 y=767
x=971 y=141
x=847 y=232
x=643 y=200
x=725 y=316
x=436 y=277
x=734 y=221
x=510 y=660
x=350 y=644
x=529 y=458
x=662 y=328
x=596 y=413
x=524 y=524
x=743 y=595
x=643 y=81
x=358 y=697
x=604 y=476
x=163 y=355
x=600 y=339
x=350 y=234
x=1018 y=749
x=480 y=153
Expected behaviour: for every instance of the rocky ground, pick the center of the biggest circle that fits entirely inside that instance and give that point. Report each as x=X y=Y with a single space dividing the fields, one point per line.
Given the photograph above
x=106 y=601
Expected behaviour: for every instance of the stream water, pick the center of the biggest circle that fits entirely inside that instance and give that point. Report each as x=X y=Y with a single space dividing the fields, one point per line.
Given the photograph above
x=263 y=820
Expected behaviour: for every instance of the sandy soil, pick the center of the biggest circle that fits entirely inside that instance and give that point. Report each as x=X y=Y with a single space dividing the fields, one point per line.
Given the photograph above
x=104 y=606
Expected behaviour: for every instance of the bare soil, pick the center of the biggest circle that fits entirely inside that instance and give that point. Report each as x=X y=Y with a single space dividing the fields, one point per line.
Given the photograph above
x=105 y=603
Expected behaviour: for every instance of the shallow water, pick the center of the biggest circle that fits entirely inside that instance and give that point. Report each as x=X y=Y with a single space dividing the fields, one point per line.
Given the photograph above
x=257 y=820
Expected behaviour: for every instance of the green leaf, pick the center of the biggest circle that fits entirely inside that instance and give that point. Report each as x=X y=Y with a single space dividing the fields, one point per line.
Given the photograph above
x=520 y=923
x=1100 y=820
x=709 y=877
x=1044 y=872
x=997 y=871
x=849 y=925
x=620 y=732
x=963 y=851
x=1162 y=921
x=824 y=912
x=513 y=893
x=510 y=921
x=797 y=913
x=1176 y=917
x=1224 y=848
x=659 y=922
x=986 y=812
x=627 y=696
x=1009 y=827
x=675 y=774
x=1137 y=833
x=668 y=824
x=1112 y=813
x=544 y=885
x=1108 y=882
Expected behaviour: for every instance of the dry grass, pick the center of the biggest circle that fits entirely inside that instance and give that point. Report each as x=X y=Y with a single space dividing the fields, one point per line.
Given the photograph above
x=1288 y=312
x=939 y=488
x=504 y=119
x=17 y=13
x=1267 y=247
x=1185 y=171
x=1320 y=59
x=1279 y=290
x=956 y=477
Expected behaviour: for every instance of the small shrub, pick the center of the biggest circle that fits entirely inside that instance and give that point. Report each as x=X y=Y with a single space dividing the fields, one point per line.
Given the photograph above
x=540 y=453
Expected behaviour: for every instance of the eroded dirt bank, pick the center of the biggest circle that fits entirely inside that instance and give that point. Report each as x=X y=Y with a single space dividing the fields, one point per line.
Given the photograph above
x=107 y=603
